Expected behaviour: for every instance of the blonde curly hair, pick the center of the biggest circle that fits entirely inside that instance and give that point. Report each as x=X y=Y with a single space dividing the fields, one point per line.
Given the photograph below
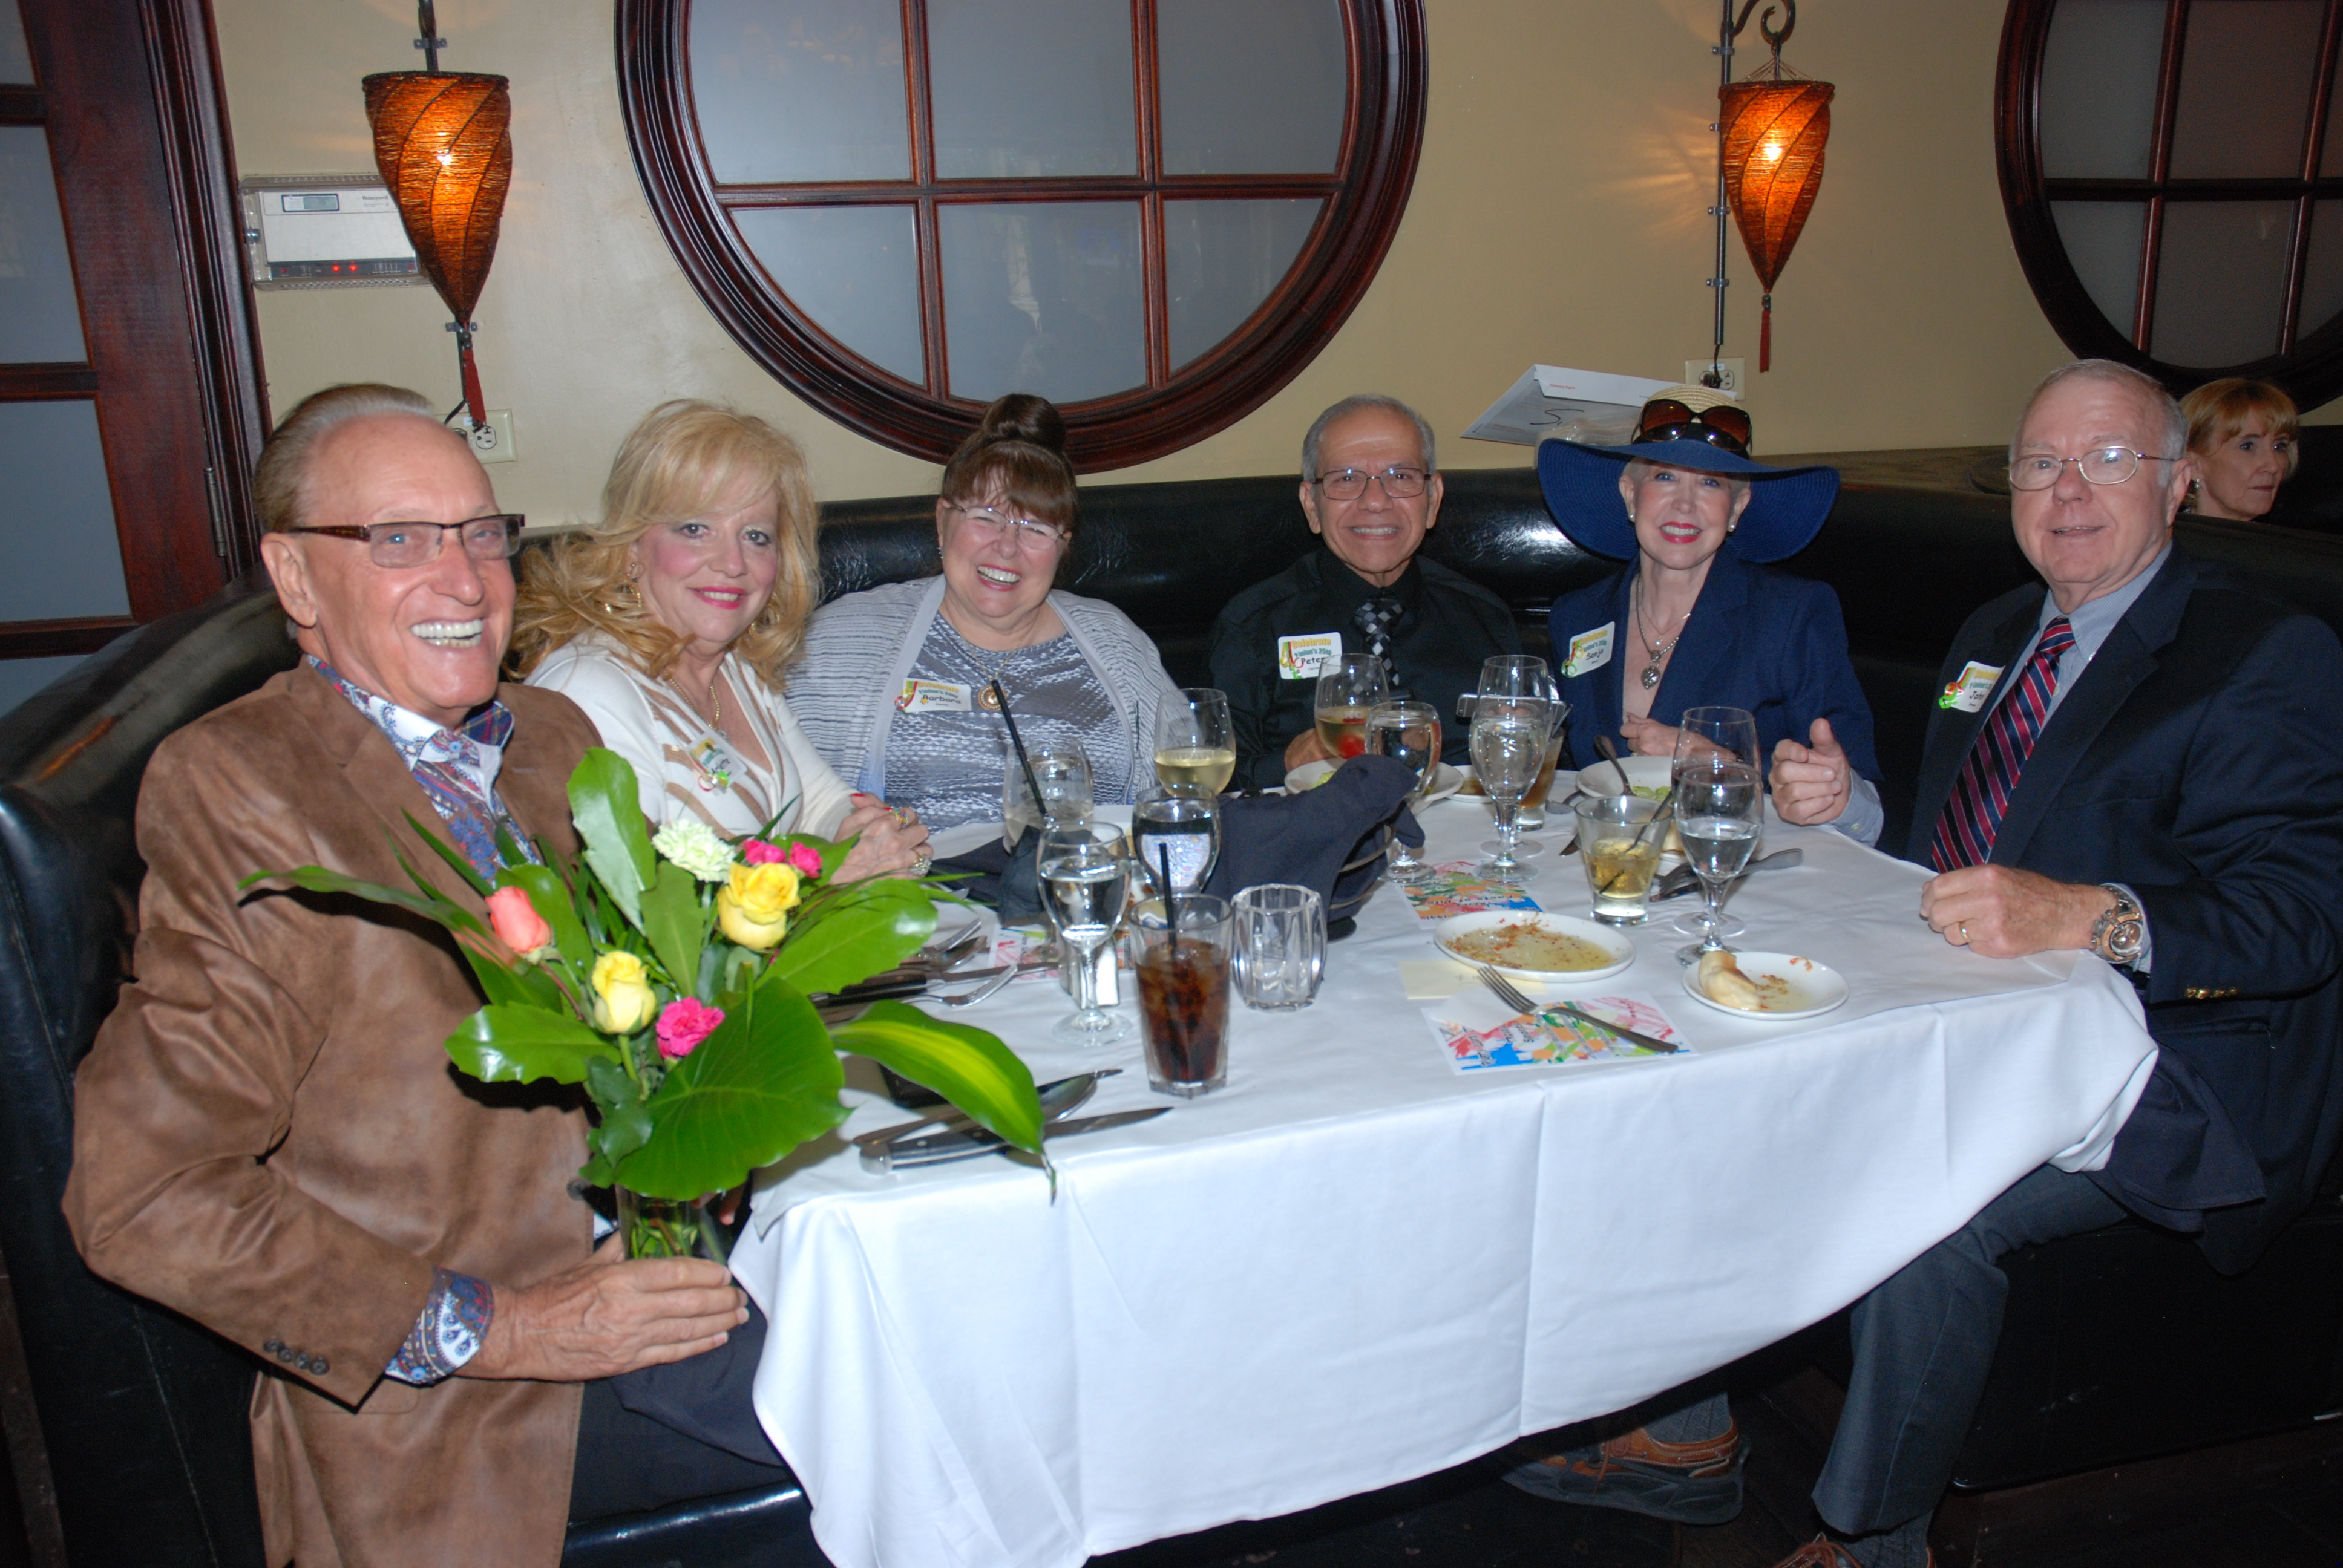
x=685 y=460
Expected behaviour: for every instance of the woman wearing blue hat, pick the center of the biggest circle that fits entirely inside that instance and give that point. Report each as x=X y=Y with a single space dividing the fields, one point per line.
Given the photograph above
x=1695 y=619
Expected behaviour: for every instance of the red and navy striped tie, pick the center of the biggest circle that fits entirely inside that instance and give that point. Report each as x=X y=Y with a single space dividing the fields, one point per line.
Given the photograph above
x=1972 y=818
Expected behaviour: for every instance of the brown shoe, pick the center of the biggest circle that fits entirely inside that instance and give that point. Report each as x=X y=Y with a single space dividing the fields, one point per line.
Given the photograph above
x=1688 y=1483
x=1823 y=1552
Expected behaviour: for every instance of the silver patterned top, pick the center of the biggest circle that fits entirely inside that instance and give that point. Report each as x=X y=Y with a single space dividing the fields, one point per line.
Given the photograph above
x=947 y=762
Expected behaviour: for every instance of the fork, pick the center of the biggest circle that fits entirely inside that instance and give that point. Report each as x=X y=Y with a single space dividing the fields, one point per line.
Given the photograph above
x=1513 y=998
x=971 y=998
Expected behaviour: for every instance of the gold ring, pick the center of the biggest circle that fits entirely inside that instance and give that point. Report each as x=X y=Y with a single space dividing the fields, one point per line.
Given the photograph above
x=1964 y=933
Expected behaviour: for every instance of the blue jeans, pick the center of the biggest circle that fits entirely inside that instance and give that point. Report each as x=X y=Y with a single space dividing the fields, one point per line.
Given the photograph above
x=1923 y=1344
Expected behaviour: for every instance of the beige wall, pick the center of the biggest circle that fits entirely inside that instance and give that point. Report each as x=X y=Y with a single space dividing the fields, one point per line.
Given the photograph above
x=1557 y=216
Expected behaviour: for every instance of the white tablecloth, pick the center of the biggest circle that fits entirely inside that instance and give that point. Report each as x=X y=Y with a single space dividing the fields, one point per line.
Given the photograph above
x=1355 y=1266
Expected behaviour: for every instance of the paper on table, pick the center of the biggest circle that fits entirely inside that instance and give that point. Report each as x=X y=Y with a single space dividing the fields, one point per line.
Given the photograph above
x=1471 y=1043
x=1453 y=888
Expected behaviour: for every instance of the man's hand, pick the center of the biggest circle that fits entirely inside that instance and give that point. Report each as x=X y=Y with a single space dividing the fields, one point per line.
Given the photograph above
x=2006 y=913
x=1304 y=748
x=607 y=1316
x=1812 y=782
x=1646 y=737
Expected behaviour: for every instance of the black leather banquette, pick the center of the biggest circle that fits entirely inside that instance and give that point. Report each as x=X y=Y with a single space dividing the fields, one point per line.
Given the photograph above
x=143 y=1414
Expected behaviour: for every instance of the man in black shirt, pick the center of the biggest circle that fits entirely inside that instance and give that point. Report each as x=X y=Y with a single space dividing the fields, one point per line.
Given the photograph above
x=1370 y=491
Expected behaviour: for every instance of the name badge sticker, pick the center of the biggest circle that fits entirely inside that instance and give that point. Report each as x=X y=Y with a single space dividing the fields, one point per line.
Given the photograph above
x=1974 y=685
x=934 y=696
x=713 y=766
x=1590 y=650
x=1305 y=658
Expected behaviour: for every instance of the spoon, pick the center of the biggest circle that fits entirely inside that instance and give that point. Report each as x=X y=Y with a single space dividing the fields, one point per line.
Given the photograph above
x=1610 y=755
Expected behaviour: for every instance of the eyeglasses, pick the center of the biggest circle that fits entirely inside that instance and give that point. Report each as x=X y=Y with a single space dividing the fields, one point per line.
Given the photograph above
x=991 y=526
x=494 y=537
x=2107 y=465
x=1349 y=484
x=1724 y=426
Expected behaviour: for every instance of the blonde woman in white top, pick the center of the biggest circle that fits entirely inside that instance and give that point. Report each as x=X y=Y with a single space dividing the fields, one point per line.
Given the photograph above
x=670 y=621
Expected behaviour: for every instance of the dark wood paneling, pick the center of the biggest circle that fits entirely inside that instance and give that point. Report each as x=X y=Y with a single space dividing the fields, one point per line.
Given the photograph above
x=1382 y=138
x=29 y=383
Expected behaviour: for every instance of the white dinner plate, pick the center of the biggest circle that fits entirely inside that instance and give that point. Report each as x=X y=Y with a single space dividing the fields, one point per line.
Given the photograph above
x=1621 y=950
x=1445 y=782
x=1309 y=776
x=1810 y=989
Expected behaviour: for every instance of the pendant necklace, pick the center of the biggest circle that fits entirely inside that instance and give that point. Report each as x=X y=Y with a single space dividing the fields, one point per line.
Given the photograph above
x=709 y=762
x=1660 y=650
x=988 y=695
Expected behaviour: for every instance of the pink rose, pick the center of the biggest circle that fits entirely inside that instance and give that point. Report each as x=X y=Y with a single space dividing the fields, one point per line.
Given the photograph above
x=757 y=852
x=802 y=857
x=683 y=1024
x=518 y=924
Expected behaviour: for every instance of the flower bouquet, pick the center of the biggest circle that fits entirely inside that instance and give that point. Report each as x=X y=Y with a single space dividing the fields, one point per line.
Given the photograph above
x=670 y=976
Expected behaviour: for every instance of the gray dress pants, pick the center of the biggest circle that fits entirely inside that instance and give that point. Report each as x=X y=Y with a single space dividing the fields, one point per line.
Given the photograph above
x=1923 y=1344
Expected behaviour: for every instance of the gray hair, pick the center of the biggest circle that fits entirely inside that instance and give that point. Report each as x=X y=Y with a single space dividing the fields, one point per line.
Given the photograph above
x=1362 y=403
x=280 y=484
x=2108 y=372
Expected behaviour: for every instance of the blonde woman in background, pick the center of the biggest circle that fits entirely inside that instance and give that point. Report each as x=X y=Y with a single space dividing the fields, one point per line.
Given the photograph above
x=2245 y=438
x=670 y=621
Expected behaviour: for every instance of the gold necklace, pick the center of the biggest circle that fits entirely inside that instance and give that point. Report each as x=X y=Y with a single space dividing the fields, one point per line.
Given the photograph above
x=1659 y=651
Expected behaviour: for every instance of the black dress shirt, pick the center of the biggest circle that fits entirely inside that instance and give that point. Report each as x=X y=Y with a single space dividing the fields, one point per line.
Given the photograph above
x=1448 y=624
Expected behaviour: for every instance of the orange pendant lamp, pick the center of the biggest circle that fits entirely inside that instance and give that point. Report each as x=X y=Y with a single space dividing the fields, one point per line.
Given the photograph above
x=443 y=141
x=1771 y=128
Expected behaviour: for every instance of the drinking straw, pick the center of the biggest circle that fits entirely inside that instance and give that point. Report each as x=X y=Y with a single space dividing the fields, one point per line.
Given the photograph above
x=1022 y=760
x=1170 y=904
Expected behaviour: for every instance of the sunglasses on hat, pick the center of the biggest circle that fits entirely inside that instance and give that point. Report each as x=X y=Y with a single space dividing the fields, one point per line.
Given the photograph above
x=1725 y=425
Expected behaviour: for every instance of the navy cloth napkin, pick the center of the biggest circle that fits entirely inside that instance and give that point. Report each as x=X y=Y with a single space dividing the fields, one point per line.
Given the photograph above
x=1307 y=839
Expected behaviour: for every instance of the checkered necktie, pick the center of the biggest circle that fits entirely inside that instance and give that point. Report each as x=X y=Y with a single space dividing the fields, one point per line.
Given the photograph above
x=1972 y=818
x=1375 y=617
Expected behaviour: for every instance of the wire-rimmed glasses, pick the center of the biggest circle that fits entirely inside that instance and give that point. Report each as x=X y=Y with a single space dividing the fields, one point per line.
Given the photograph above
x=1085 y=877
x=1033 y=536
x=1400 y=483
x=2100 y=466
x=1720 y=804
x=396 y=546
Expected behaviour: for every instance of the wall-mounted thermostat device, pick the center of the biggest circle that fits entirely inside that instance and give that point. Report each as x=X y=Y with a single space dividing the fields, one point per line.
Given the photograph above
x=313 y=231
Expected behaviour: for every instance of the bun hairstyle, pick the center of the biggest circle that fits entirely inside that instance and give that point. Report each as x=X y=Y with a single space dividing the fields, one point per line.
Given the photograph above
x=1016 y=455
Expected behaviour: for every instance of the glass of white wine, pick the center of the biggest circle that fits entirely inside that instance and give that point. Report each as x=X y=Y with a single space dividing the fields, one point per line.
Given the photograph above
x=1085 y=877
x=1195 y=743
x=1347 y=689
x=1410 y=732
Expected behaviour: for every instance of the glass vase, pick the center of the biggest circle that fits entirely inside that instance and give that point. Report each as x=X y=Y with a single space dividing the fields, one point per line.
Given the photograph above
x=668 y=1228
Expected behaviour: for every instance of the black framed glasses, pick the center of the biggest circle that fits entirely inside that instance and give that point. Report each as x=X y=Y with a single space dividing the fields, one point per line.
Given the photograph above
x=1724 y=426
x=2101 y=466
x=494 y=537
x=1349 y=484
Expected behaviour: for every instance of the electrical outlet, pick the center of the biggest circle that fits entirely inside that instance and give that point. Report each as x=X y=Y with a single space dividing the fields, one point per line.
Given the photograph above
x=1735 y=383
x=493 y=442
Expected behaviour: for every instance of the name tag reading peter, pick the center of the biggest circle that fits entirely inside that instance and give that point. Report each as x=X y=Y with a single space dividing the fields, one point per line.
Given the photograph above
x=1970 y=690
x=1305 y=658
x=934 y=696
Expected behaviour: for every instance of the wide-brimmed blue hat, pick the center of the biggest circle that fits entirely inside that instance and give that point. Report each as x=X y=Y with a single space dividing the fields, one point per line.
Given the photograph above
x=1786 y=506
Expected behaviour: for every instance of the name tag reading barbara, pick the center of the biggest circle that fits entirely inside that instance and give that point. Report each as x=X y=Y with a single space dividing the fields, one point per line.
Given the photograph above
x=1305 y=658
x=934 y=696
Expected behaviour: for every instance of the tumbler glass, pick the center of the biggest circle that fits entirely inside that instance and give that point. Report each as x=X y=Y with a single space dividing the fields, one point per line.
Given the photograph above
x=1184 y=992
x=1280 y=945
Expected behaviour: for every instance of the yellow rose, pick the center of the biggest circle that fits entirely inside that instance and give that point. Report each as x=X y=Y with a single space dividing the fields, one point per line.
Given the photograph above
x=623 y=1001
x=752 y=906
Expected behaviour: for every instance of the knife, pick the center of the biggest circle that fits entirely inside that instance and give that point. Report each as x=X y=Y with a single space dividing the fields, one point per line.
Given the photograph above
x=939 y=1148
x=1058 y=1099
x=1683 y=879
x=1621 y=1030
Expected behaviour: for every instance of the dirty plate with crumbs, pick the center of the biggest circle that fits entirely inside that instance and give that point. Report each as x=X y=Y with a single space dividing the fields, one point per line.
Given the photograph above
x=1559 y=948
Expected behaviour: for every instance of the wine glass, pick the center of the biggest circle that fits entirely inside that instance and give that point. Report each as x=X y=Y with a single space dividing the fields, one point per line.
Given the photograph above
x=1063 y=774
x=1180 y=825
x=1410 y=732
x=1509 y=737
x=1195 y=743
x=1347 y=689
x=1085 y=875
x=1508 y=675
x=1720 y=803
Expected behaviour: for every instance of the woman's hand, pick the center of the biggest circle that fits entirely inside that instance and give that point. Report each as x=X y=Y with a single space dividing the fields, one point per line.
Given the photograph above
x=1646 y=737
x=894 y=841
x=1812 y=782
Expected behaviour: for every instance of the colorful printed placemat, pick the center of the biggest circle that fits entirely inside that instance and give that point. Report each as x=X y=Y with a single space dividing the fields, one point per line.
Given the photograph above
x=1454 y=888
x=1472 y=1042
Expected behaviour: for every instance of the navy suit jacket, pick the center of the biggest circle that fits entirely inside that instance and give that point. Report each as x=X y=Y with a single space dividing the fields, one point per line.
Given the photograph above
x=1758 y=639
x=2198 y=759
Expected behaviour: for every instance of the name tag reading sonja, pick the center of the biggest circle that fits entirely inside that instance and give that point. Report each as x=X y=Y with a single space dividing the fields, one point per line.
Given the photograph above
x=1590 y=650
x=1970 y=690
x=934 y=696
x=1305 y=658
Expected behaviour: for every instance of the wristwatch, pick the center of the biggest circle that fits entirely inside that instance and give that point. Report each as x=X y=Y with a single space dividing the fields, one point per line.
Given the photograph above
x=2118 y=935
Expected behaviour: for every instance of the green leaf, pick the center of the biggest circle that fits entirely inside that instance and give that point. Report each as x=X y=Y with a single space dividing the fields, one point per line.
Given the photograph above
x=447 y=852
x=752 y=1091
x=507 y=1044
x=550 y=898
x=862 y=929
x=626 y=1121
x=608 y=813
x=318 y=879
x=966 y=1066
x=673 y=922
x=527 y=986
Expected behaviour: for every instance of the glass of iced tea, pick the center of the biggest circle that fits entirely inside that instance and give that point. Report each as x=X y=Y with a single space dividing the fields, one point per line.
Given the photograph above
x=1184 y=992
x=1619 y=844
x=1348 y=690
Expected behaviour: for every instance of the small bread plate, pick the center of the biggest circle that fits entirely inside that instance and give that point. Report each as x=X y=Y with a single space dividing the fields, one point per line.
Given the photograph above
x=1794 y=987
x=1445 y=782
x=1521 y=928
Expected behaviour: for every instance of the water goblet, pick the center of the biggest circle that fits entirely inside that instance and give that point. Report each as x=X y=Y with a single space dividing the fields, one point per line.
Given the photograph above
x=1409 y=731
x=1719 y=796
x=1508 y=739
x=1063 y=774
x=1084 y=873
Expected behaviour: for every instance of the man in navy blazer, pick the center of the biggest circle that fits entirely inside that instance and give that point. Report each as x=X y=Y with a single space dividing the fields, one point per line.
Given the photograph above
x=2146 y=762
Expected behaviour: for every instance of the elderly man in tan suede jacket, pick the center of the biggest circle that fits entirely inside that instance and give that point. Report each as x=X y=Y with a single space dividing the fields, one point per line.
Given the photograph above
x=270 y=1136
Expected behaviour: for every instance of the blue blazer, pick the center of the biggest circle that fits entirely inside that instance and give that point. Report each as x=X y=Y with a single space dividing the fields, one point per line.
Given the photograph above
x=2198 y=759
x=1758 y=639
